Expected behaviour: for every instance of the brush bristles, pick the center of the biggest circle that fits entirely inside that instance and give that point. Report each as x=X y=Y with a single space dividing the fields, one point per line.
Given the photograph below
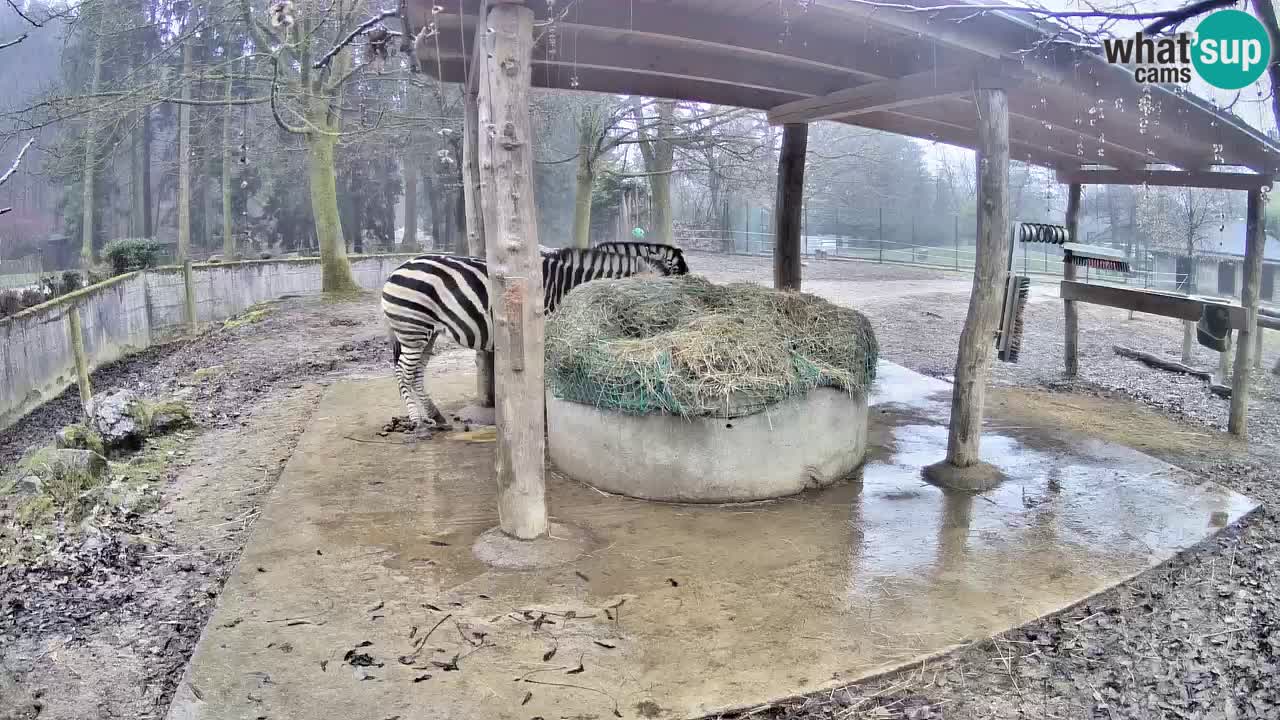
x=1009 y=353
x=1099 y=263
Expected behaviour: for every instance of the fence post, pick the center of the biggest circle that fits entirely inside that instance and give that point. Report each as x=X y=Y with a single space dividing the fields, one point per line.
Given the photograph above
x=75 y=333
x=189 y=286
x=881 y=235
x=956 y=236
x=806 y=228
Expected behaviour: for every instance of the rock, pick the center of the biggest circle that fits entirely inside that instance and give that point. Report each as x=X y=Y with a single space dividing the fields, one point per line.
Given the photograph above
x=29 y=486
x=79 y=436
x=168 y=416
x=64 y=472
x=114 y=417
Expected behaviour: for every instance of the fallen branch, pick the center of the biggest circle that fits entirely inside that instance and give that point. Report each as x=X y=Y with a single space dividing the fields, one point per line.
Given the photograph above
x=1222 y=391
x=16 y=162
x=1161 y=363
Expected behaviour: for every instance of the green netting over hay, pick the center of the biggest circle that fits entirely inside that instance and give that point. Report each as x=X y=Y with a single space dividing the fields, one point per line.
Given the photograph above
x=684 y=346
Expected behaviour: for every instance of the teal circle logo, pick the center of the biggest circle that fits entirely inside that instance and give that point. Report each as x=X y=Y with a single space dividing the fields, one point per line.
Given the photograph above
x=1232 y=49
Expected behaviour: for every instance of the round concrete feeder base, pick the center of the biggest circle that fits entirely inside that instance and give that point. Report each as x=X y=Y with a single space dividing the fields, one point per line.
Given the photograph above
x=800 y=444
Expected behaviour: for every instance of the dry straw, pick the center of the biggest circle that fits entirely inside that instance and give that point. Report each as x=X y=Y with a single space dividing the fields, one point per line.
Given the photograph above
x=684 y=346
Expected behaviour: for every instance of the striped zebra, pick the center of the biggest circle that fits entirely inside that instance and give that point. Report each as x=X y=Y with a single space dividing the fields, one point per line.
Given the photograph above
x=431 y=294
x=669 y=255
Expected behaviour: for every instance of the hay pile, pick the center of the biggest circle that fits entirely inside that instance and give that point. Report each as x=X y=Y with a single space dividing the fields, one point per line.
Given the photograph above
x=684 y=346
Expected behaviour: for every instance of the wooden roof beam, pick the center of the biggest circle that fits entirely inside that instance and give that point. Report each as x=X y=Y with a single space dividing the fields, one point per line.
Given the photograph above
x=960 y=136
x=640 y=55
x=1166 y=178
x=888 y=94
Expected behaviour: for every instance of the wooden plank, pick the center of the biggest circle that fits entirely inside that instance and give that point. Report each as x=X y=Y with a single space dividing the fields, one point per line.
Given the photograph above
x=1168 y=178
x=515 y=271
x=1145 y=301
x=471 y=197
x=1071 y=336
x=974 y=356
x=885 y=94
x=790 y=200
x=1255 y=239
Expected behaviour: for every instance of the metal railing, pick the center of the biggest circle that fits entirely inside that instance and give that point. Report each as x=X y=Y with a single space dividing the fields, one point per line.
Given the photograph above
x=1029 y=258
x=21 y=272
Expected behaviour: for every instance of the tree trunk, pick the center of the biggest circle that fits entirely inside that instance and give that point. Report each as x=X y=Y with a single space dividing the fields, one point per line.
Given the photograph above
x=472 y=205
x=148 y=216
x=90 y=163
x=586 y=179
x=1188 y=340
x=976 y=340
x=228 y=232
x=515 y=272
x=356 y=231
x=136 y=214
x=335 y=270
x=433 y=204
x=184 y=159
x=1267 y=14
x=460 y=222
x=659 y=156
x=409 y=171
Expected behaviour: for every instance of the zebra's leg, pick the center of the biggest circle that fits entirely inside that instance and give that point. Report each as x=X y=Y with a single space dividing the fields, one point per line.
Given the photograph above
x=420 y=389
x=410 y=357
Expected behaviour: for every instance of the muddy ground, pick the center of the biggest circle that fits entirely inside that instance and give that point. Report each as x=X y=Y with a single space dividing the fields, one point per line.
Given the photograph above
x=103 y=628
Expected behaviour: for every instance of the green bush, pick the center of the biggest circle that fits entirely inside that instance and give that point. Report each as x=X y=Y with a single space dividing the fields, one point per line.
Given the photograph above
x=71 y=281
x=129 y=254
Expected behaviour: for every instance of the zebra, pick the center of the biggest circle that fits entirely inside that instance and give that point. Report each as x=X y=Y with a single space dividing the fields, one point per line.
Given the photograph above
x=669 y=255
x=434 y=293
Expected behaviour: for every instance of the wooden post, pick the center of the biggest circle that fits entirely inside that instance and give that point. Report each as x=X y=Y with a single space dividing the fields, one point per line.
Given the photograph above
x=787 y=207
x=75 y=333
x=1252 y=281
x=1257 y=349
x=1071 y=329
x=515 y=268
x=472 y=199
x=189 y=295
x=1224 y=362
x=977 y=339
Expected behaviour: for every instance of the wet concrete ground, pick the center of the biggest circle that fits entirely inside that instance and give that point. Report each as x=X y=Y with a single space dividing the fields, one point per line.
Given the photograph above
x=668 y=610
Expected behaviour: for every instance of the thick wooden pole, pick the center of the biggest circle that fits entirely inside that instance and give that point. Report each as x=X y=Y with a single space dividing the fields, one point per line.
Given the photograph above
x=75 y=333
x=471 y=197
x=1071 y=336
x=515 y=269
x=787 y=211
x=977 y=339
x=1254 y=239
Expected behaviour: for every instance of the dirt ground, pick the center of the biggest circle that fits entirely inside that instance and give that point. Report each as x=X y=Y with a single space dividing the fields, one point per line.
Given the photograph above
x=103 y=627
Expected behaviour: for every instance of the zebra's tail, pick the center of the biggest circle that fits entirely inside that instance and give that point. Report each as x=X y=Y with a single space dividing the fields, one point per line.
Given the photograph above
x=395 y=350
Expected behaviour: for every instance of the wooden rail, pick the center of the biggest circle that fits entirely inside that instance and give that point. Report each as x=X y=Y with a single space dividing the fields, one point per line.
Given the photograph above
x=1153 y=302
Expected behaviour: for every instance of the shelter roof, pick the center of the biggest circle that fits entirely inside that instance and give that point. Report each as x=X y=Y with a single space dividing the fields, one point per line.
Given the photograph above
x=890 y=67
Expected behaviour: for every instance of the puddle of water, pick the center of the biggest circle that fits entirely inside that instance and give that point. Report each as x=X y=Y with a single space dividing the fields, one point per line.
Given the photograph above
x=896 y=385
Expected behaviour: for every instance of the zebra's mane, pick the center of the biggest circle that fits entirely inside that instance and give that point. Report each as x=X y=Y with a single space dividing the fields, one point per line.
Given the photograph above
x=568 y=254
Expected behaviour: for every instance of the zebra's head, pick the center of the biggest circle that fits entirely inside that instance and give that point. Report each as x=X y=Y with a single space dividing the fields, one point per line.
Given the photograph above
x=669 y=258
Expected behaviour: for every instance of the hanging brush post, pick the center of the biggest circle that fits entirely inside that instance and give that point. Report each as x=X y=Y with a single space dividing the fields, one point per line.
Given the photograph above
x=1017 y=288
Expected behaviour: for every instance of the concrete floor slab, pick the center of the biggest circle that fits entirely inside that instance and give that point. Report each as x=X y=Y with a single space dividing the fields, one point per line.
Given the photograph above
x=359 y=595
